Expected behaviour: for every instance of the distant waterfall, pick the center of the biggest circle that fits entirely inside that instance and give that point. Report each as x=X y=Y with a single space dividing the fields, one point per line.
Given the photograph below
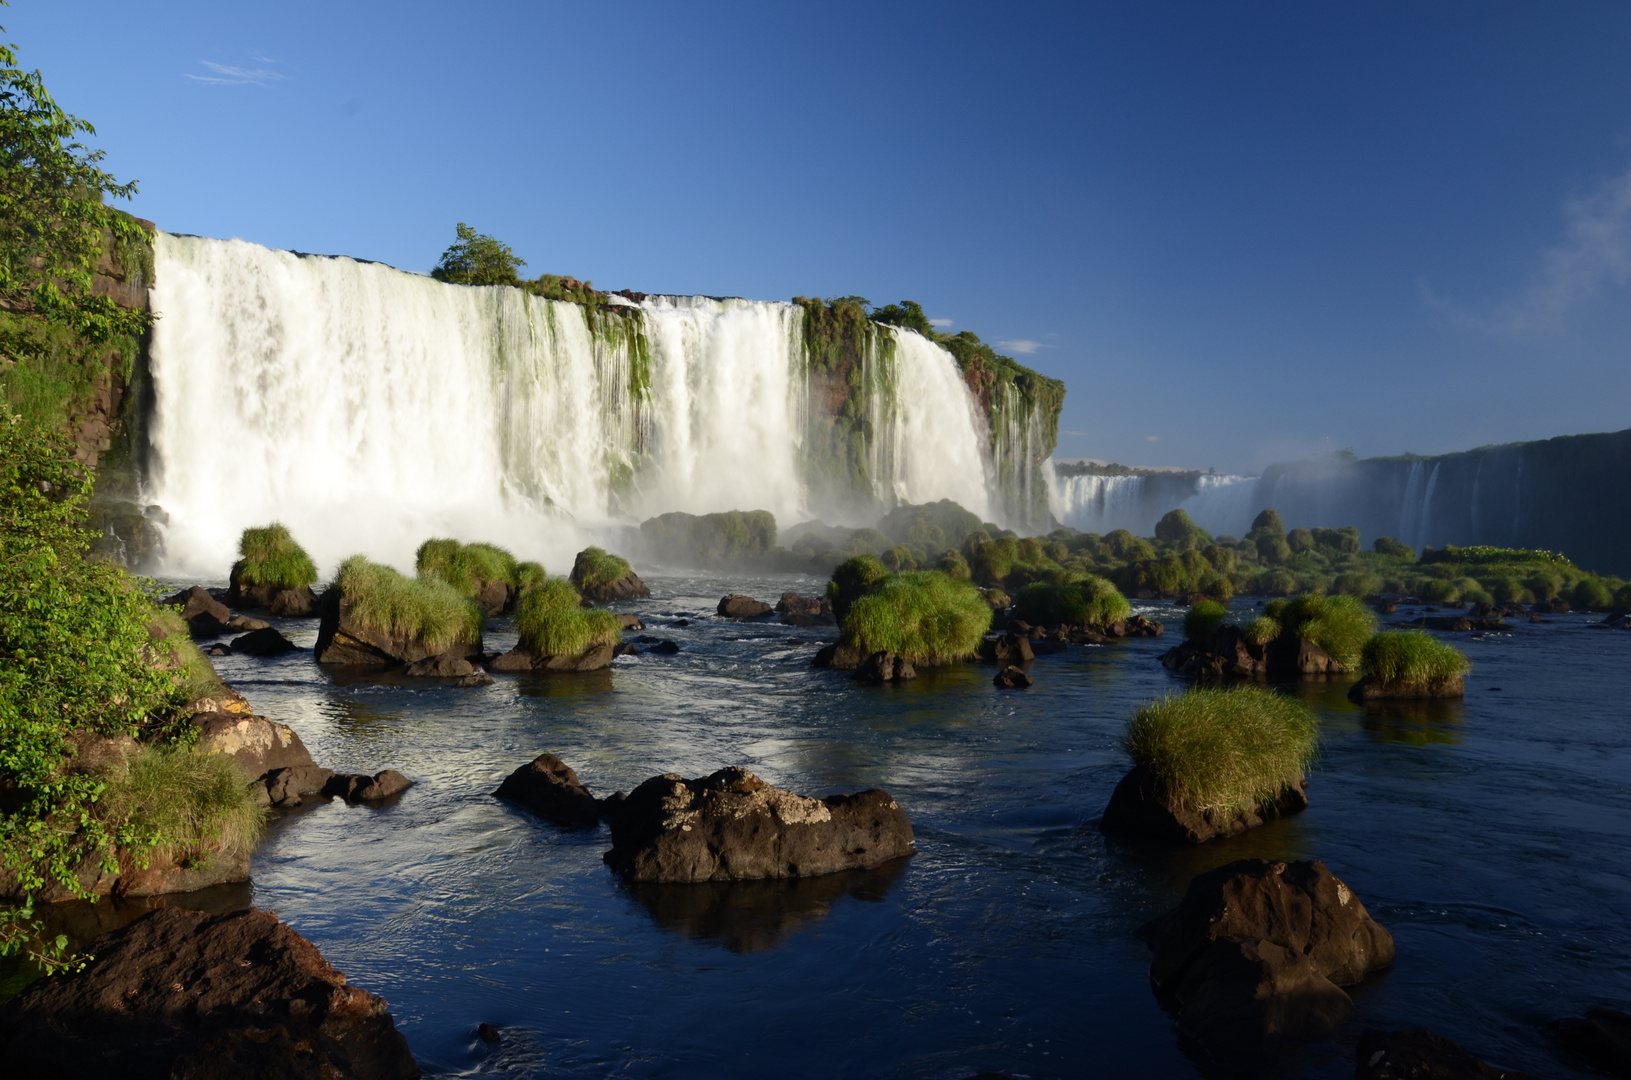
x=369 y=408
x=1095 y=503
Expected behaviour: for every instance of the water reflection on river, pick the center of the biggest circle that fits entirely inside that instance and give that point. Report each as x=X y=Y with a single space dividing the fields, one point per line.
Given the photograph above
x=1489 y=836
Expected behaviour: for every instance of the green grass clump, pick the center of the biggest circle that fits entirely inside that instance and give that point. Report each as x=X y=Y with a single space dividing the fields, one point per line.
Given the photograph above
x=924 y=616
x=1412 y=658
x=173 y=649
x=1593 y=594
x=529 y=575
x=853 y=579
x=427 y=608
x=269 y=556
x=1261 y=630
x=552 y=621
x=1090 y=601
x=466 y=567
x=1338 y=624
x=1224 y=750
x=593 y=569
x=183 y=802
x=1204 y=619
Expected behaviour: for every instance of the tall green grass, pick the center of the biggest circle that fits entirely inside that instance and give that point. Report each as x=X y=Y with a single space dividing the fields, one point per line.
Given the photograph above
x=182 y=802
x=853 y=579
x=529 y=575
x=427 y=608
x=173 y=648
x=552 y=621
x=1412 y=658
x=1204 y=619
x=1261 y=630
x=924 y=616
x=270 y=557
x=1338 y=624
x=1224 y=750
x=1089 y=601
x=594 y=568
x=466 y=567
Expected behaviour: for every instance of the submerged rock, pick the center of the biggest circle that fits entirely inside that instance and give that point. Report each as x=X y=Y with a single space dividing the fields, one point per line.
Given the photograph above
x=447 y=665
x=1257 y=953
x=883 y=667
x=1140 y=809
x=548 y=787
x=1369 y=688
x=732 y=826
x=1420 y=1055
x=736 y=606
x=518 y=661
x=1012 y=678
x=263 y=642
x=183 y=994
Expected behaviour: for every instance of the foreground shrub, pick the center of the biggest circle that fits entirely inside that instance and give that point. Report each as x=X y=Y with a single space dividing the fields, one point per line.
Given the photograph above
x=1338 y=624
x=529 y=575
x=427 y=609
x=923 y=616
x=466 y=567
x=1091 y=601
x=594 y=568
x=1223 y=750
x=1412 y=658
x=853 y=579
x=1204 y=619
x=183 y=803
x=552 y=621
x=269 y=556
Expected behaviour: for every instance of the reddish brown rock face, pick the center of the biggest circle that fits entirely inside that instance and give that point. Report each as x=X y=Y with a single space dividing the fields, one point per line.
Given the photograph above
x=184 y=994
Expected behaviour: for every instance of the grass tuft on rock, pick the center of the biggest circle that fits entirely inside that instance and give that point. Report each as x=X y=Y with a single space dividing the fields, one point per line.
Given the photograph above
x=1412 y=658
x=270 y=556
x=924 y=616
x=1261 y=630
x=853 y=579
x=182 y=802
x=552 y=621
x=1224 y=750
x=594 y=569
x=466 y=567
x=1204 y=619
x=1338 y=624
x=529 y=575
x=1088 y=601
x=427 y=608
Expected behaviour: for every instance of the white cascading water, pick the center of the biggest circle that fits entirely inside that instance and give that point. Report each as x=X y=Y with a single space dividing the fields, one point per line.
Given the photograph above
x=1220 y=504
x=1094 y=503
x=368 y=408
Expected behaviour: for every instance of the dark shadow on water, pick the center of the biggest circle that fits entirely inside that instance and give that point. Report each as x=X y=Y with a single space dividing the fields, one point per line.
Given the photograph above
x=755 y=916
x=1415 y=723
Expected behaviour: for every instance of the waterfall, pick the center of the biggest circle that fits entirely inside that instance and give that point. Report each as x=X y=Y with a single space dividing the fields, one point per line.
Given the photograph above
x=1135 y=502
x=368 y=409
x=1101 y=504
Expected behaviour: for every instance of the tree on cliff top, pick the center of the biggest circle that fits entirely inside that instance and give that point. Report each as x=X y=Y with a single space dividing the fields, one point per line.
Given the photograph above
x=478 y=259
x=53 y=221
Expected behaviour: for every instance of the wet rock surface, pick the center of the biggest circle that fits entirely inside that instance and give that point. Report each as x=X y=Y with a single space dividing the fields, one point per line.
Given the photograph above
x=1011 y=648
x=257 y=744
x=883 y=667
x=732 y=826
x=796 y=610
x=1601 y=1039
x=266 y=641
x=519 y=661
x=1369 y=688
x=1227 y=654
x=1257 y=953
x=342 y=639
x=1420 y=1055
x=548 y=787
x=1140 y=809
x=838 y=657
x=183 y=994
x=736 y=606
x=1012 y=678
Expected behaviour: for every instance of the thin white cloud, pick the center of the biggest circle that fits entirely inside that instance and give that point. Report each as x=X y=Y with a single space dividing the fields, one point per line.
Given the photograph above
x=1595 y=252
x=1023 y=346
x=227 y=75
x=1152 y=438
x=939 y=322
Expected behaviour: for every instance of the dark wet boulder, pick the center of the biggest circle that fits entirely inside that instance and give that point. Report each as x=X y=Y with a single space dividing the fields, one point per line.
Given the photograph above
x=204 y=626
x=244 y=624
x=257 y=744
x=1601 y=1039
x=285 y=603
x=1455 y=624
x=1135 y=626
x=1256 y=956
x=1007 y=649
x=265 y=642
x=665 y=647
x=884 y=667
x=518 y=661
x=548 y=787
x=288 y=787
x=198 y=601
x=796 y=610
x=447 y=665
x=839 y=657
x=1140 y=809
x=183 y=994
x=1420 y=1055
x=630 y=622
x=1290 y=656
x=1012 y=678
x=343 y=639
x=732 y=826
x=736 y=606
x=218 y=650
x=1225 y=654
x=360 y=787
x=1555 y=606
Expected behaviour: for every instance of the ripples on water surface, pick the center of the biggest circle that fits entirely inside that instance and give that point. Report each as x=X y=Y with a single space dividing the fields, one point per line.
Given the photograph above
x=1489 y=837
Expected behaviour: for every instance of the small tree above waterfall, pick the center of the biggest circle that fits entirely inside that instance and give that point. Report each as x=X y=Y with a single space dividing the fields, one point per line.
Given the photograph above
x=478 y=259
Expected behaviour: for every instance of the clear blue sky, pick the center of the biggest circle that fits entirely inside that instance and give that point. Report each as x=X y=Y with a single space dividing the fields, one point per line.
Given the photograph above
x=1239 y=232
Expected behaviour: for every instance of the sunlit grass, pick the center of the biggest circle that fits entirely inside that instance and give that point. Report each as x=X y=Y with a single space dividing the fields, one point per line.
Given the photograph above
x=924 y=616
x=552 y=621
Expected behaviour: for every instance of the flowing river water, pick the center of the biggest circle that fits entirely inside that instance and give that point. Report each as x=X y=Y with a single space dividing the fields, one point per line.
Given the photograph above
x=1489 y=836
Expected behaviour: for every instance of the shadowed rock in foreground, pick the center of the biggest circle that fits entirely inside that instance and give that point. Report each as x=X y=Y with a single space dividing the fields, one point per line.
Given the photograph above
x=1141 y=809
x=548 y=787
x=732 y=826
x=184 y=994
x=1421 y=1055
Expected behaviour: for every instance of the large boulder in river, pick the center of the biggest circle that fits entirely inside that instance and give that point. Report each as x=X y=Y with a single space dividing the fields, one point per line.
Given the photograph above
x=208 y=997
x=1142 y=809
x=605 y=579
x=266 y=641
x=796 y=610
x=1257 y=953
x=732 y=826
x=1420 y=1055
x=344 y=639
x=257 y=744
x=548 y=787
x=282 y=602
x=839 y=657
x=737 y=606
x=198 y=601
x=1007 y=649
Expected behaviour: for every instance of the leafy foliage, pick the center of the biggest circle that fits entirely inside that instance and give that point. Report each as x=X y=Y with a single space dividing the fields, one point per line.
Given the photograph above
x=552 y=621
x=426 y=608
x=923 y=615
x=271 y=557
x=1224 y=750
x=477 y=259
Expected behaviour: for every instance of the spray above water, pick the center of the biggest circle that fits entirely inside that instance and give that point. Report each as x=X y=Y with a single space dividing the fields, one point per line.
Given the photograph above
x=368 y=408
